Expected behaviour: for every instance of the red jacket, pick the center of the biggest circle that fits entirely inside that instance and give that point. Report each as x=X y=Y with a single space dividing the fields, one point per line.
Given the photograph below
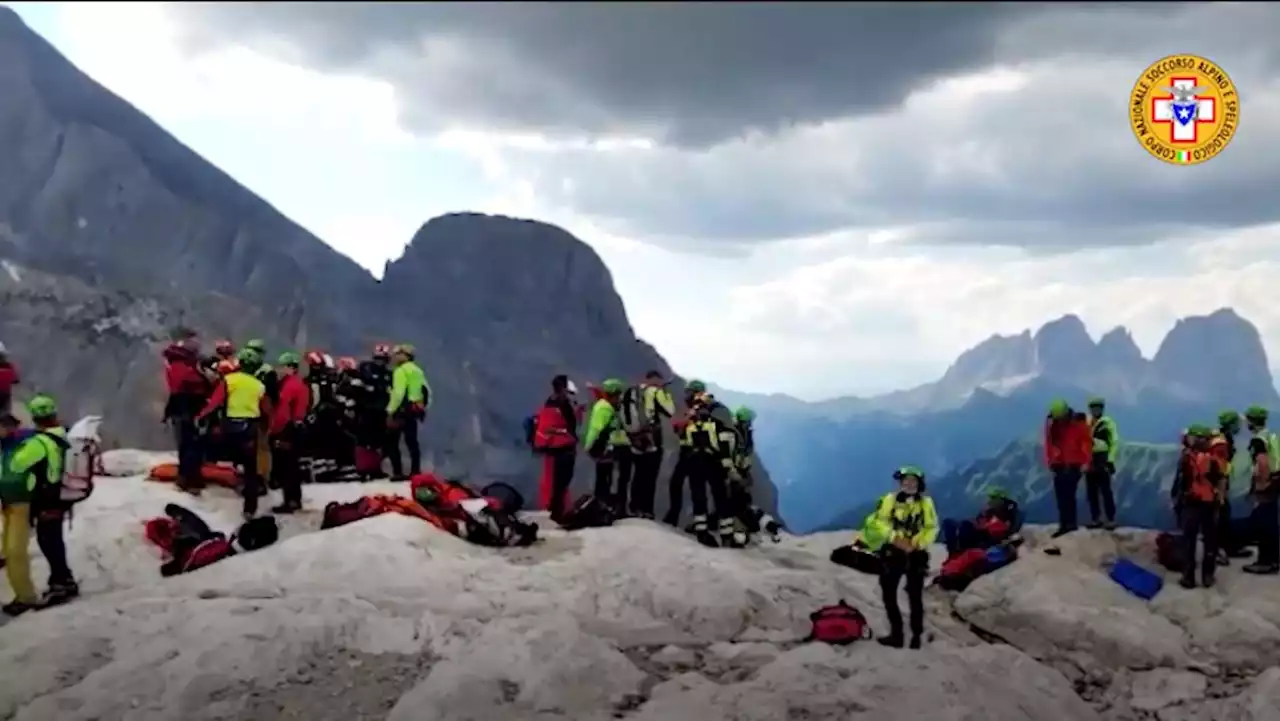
x=8 y=377
x=556 y=426
x=181 y=374
x=293 y=404
x=1068 y=442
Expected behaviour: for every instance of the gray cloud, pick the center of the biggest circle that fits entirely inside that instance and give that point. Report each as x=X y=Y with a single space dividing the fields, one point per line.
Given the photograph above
x=780 y=120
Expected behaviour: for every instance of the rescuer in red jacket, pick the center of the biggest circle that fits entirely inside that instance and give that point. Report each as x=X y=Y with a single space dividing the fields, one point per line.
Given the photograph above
x=1068 y=449
x=188 y=391
x=285 y=432
x=555 y=437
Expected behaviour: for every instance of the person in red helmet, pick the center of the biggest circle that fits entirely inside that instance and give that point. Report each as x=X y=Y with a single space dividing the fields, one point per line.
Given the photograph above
x=224 y=349
x=324 y=419
x=188 y=391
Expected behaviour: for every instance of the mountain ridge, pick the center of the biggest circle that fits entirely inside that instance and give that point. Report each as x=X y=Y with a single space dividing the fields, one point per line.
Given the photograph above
x=113 y=232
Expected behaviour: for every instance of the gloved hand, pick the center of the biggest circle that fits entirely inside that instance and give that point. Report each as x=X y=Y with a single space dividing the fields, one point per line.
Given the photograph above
x=202 y=425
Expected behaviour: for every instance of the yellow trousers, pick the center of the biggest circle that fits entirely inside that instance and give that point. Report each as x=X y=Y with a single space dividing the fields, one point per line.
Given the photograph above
x=264 y=455
x=17 y=551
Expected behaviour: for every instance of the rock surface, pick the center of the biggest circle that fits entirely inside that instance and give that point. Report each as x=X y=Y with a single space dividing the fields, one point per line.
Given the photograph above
x=390 y=619
x=112 y=233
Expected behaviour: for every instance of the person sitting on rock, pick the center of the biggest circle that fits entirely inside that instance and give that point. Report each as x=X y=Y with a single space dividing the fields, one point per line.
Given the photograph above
x=1198 y=490
x=994 y=524
x=901 y=529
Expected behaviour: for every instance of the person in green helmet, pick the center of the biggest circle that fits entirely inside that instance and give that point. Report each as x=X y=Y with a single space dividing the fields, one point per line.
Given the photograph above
x=995 y=523
x=708 y=465
x=15 y=497
x=643 y=409
x=1199 y=488
x=602 y=425
x=1102 y=466
x=1231 y=544
x=271 y=384
x=1264 y=449
x=742 y=445
x=900 y=530
x=241 y=400
x=1068 y=450
x=406 y=409
x=39 y=461
x=680 y=471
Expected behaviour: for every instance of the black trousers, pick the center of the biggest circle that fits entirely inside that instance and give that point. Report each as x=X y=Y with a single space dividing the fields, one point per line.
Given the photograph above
x=675 y=487
x=706 y=472
x=1199 y=519
x=406 y=428
x=560 y=464
x=241 y=439
x=1066 y=481
x=914 y=566
x=1266 y=526
x=742 y=506
x=286 y=467
x=190 y=450
x=1097 y=487
x=624 y=467
x=49 y=513
x=644 y=482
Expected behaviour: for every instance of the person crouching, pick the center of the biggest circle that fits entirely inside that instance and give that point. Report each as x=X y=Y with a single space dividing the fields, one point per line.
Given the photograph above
x=901 y=529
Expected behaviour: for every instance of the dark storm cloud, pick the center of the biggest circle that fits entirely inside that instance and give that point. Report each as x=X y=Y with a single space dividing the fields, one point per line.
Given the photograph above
x=739 y=93
x=691 y=73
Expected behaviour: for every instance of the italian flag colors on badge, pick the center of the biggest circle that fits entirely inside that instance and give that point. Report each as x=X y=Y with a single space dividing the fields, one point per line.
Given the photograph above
x=1184 y=156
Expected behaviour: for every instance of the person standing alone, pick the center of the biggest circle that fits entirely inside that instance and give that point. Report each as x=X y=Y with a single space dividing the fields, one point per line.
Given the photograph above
x=1102 y=466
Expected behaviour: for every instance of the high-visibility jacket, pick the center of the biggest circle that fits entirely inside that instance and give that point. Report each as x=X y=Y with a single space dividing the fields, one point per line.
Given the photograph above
x=1106 y=439
x=241 y=396
x=901 y=516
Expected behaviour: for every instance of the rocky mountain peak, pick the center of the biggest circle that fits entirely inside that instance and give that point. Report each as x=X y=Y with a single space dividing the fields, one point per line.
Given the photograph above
x=1117 y=346
x=1220 y=355
x=994 y=359
x=1063 y=347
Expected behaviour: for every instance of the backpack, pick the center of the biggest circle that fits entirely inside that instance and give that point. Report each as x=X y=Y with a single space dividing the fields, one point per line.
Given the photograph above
x=587 y=512
x=340 y=514
x=209 y=551
x=258 y=533
x=1136 y=580
x=1170 y=552
x=1000 y=556
x=960 y=570
x=839 y=625
x=509 y=499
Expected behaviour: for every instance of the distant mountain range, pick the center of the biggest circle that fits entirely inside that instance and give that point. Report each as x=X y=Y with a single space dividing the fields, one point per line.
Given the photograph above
x=1144 y=474
x=838 y=453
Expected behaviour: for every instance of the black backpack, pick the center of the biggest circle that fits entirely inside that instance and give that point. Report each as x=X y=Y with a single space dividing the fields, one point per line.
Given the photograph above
x=587 y=512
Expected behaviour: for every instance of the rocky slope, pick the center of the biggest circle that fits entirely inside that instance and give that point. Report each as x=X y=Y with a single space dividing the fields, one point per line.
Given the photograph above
x=112 y=232
x=390 y=619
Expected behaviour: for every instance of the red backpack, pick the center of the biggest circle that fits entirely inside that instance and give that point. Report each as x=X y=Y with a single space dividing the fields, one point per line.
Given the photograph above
x=839 y=625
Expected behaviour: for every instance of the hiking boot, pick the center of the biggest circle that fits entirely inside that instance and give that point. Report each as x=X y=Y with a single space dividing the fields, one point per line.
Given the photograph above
x=59 y=593
x=287 y=507
x=707 y=539
x=1063 y=531
x=915 y=643
x=17 y=608
x=189 y=487
x=1093 y=525
x=893 y=640
x=1187 y=582
x=1110 y=525
x=1223 y=559
x=1208 y=581
x=1262 y=569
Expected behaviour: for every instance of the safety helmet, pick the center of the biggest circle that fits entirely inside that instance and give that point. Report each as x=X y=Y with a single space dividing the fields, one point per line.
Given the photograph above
x=1097 y=402
x=570 y=387
x=1199 y=431
x=612 y=386
x=289 y=358
x=1228 y=419
x=347 y=363
x=227 y=365
x=695 y=386
x=42 y=406
x=224 y=348
x=257 y=344
x=1058 y=408
x=425 y=495
x=905 y=471
x=248 y=358
x=382 y=350
x=1256 y=414
x=315 y=358
x=403 y=349
x=997 y=493
x=744 y=414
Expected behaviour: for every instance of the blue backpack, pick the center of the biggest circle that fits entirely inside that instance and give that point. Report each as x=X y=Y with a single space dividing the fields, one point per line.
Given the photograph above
x=1136 y=580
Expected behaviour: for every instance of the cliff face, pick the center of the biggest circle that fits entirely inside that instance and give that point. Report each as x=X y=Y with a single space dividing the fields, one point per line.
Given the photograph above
x=112 y=233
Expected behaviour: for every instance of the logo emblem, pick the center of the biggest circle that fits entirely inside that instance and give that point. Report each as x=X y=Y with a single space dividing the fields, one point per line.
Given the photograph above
x=1184 y=109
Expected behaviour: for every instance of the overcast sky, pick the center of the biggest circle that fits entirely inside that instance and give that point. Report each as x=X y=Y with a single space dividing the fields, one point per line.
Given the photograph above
x=815 y=199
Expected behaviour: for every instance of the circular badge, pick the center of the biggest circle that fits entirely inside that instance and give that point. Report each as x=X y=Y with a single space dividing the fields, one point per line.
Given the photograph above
x=1184 y=109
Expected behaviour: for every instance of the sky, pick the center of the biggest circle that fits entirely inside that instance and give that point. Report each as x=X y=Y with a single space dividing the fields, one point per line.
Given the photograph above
x=804 y=198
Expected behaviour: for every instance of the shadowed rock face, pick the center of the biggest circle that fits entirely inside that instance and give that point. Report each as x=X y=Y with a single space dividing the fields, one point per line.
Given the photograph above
x=112 y=233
